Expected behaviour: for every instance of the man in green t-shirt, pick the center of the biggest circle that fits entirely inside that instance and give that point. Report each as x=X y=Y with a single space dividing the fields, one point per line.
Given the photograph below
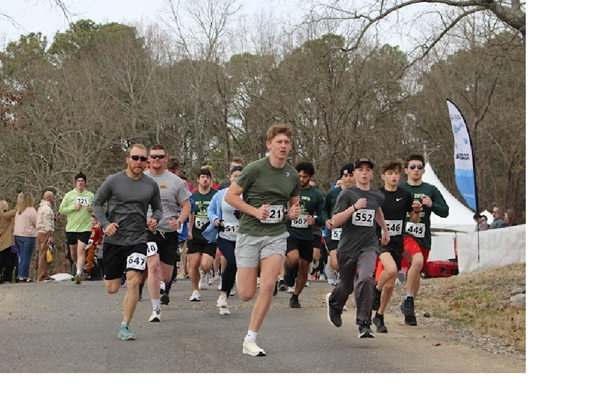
x=299 y=251
x=77 y=207
x=270 y=191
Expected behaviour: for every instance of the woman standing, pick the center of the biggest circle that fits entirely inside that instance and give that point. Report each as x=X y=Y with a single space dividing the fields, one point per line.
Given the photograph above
x=25 y=235
x=7 y=240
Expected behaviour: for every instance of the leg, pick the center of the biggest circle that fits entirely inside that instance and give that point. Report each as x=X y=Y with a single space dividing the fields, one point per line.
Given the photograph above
x=42 y=240
x=131 y=295
x=269 y=267
x=80 y=260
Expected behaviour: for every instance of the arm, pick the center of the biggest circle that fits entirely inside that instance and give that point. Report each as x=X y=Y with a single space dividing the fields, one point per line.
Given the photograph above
x=385 y=235
x=64 y=207
x=341 y=217
x=437 y=203
x=214 y=209
x=102 y=195
x=183 y=215
x=294 y=210
x=233 y=198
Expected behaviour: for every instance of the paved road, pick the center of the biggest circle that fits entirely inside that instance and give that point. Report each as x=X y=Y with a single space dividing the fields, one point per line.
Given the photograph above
x=63 y=328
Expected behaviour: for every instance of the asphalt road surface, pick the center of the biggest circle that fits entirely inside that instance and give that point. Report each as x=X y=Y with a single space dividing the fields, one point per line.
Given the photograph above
x=61 y=327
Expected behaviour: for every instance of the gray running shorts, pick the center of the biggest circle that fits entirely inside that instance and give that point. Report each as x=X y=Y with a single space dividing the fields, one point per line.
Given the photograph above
x=249 y=249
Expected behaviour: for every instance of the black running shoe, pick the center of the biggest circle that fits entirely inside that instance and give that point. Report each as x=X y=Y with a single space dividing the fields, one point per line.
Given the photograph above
x=376 y=299
x=276 y=288
x=164 y=299
x=294 y=303
x=408 y=309
x=378 y=323
x=364 y=331
x=334 y=316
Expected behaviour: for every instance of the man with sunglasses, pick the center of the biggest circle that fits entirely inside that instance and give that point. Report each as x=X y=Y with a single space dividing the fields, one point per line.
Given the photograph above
x=163 y=242
x=417 y=236
x=129 y=194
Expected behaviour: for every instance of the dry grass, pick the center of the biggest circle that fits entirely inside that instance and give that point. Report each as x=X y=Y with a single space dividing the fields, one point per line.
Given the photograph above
x=476 y=300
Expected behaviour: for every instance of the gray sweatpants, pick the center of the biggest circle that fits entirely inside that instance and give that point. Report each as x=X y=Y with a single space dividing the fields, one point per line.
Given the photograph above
x=356 y=274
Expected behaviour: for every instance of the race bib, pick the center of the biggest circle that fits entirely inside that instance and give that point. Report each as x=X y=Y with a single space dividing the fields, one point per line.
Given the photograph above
x=363 y=218
x=300 y=222
x=199 y=222
x=416 y=229
x=394 y=227
x=152 y=249
x=84 y=201
x=136 y=261
x=231 y=228
x=275 y=215
x=336 y=234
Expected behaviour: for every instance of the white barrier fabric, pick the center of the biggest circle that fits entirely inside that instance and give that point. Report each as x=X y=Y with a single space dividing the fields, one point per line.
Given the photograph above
x=497 y=248
x=442 y=247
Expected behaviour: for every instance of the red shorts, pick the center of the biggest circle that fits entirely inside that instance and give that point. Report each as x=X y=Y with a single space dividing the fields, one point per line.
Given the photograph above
x=412 y=247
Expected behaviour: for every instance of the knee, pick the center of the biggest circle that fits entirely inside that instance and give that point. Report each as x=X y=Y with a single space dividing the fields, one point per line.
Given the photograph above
x=245 y=295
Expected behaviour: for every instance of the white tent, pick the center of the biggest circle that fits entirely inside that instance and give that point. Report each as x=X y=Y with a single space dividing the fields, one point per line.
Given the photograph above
x=460 y=217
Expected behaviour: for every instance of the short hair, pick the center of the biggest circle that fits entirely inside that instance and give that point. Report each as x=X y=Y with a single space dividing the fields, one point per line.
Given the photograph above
x=158 y=147
x=415 y=157
x=204 y=171
x=173 y=164
x=136 y=145
x=307 y=167
x=391 y=165
x=237 y=160
x=279 y=128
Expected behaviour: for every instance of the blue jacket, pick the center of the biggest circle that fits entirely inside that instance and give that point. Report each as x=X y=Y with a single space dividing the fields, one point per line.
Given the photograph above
x=214 y=212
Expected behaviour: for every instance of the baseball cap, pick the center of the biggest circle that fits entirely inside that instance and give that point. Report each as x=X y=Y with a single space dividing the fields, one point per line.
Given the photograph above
x=346 y=169
x=363 y=160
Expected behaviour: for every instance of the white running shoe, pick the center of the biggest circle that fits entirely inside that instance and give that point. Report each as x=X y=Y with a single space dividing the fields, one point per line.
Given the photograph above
x=155 y=317
x=211 y=277
x=224 y=311
x=204 y=282
x=251 y=348
x=233 y=290
x=222 y=301
x=195 y=296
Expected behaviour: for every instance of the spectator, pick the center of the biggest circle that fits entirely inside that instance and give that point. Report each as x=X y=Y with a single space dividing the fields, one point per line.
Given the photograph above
x=25 y=234
x=481 y=222
x=7 y=240
x=498 y=220
x=96 y=238
x=45 y=233
x=510 y=219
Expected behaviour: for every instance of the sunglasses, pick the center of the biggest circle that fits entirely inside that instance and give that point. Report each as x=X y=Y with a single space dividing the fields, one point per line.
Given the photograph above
x=413 y=166
x=159 y=156
x=138 y=158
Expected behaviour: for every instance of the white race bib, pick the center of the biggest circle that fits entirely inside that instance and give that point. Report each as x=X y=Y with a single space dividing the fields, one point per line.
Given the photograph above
x=394 y=227
x=136 y=261
x=275 y=215
x=152 y=249
x=416 y=229
x=231 y=228
x=199 y=222
x=300 y=222
x=84 y=201
x=336 y=234
x=363 y=218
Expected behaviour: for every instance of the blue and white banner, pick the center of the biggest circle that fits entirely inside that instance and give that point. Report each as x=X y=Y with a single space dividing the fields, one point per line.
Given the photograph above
x=464 y=170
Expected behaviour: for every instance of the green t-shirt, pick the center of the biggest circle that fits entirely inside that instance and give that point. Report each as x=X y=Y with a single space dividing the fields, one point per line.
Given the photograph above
x=421 y=231
x=78 y=221
x=312 y=203
x=330 y=200
x=200 y=212
x=264 y=184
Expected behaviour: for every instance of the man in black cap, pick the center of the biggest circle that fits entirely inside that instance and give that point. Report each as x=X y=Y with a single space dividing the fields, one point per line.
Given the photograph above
x=77 y=207
x=357 y=211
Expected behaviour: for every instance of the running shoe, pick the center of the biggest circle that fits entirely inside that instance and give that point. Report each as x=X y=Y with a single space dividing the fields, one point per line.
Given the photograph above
x=203 y=282
x=78 y=279
x=334 y=316
x=125 y=333
x=378 y=323
x=294 y=303
x=164 y=299
x=364 y=331
x=222 y=301
x=282 y=285
x=195 y=296
x=224 y=311
x=155 y=317
x=408 y=309
x=233 y=290
x=251 y=348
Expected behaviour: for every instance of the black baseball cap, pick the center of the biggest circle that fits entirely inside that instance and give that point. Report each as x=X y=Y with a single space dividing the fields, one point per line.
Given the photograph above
x=347 y=168
x=363 y=160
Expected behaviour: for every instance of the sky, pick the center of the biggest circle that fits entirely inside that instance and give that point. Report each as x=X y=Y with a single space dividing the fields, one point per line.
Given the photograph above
x=40 y=16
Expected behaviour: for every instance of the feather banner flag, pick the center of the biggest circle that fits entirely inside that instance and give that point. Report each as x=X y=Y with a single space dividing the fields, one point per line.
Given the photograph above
x=464 y=162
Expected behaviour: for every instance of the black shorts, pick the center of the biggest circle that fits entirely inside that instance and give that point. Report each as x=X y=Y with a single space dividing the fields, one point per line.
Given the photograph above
x=165 y=245
x=331 y=245
x=395 y=250
x=116 y=259
x=203 y=247
x=317 y=240
x=72 y=237
x=304 y=247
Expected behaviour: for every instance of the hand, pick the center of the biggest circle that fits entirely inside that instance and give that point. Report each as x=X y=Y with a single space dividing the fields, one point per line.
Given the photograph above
x=50 y=240
x=152 y=224
x=90 y=209
x=173 y=223
x=361 y=203
x=417 y=206
x=262 y=213
x=77 y=206
x=329 y=225
x=427 y=201
x=310 y=220
x=294 y=211
x=385 y=237
x=111 y=229
x=217 y=222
